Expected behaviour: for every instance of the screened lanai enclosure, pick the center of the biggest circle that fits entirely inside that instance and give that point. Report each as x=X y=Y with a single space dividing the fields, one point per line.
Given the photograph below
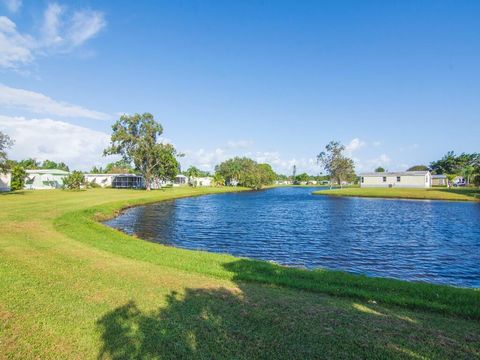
x=128 y=181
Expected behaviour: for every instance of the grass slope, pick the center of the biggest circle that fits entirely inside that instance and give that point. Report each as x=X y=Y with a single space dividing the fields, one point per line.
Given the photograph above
x=72 y=288
x=460 y=194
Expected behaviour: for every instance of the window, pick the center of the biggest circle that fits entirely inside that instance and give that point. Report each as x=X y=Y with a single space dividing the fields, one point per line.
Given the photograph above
x=384 y=179
x=398 y=178
x=363 y=180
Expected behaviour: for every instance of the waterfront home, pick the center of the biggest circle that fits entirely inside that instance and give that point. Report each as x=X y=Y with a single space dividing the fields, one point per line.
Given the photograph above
x=128 y=181
x=103 y=180
x=404 y=179
x=180 y=180
x=44 y=179
x=439 y=180
x=5 y=180
x=201 y=181
x=118 y=181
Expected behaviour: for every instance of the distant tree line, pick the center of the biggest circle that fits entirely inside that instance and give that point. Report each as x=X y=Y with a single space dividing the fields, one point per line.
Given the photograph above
x=246 y=172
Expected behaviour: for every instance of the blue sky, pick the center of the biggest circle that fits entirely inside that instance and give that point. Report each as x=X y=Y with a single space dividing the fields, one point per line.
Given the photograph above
x=397 y=82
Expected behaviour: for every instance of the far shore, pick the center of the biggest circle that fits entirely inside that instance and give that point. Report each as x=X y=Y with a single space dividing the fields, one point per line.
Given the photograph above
x=456 y=194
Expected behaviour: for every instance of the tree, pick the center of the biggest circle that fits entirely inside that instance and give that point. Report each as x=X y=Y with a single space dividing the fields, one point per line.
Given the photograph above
x=74 y=181
x=49 y=164
x=18 y=178
x=379 y=169
x=267 y=174
x=453 y=164
x=418 y=168
x=168 y=166
x=5 y=143
x=119 y=167
x=218 y=180
x=338 y=166
x=29 y=164
x=303 y=177
x=192 y=173
x=245 y=172
x=135 y=138
x=467 y=172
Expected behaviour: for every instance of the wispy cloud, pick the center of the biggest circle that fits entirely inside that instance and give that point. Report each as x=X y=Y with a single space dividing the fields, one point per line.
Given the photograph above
x=79 y=147
x=239 y=144
x=12 y=5
x=354 y=145
x=41 y=104
x=61 y=31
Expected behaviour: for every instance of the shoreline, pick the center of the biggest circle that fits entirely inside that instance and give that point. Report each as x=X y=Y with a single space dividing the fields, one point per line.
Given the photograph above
x=431 y=194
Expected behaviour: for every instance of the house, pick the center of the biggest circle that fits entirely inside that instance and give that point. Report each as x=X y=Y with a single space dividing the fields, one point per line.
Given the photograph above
x=201 y=181
x=439 y=180
x=103 y=180
x=5 y=180
x=128 y=181
x=405 y=179
x=118 y=181
x=180 y=180
x=43 y=179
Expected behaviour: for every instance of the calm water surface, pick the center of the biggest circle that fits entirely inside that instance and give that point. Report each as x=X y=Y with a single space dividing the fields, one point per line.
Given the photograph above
x=430 y=241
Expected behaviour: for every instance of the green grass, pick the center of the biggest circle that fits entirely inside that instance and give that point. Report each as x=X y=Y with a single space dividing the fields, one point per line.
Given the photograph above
x=458 y=194
x=73 y=288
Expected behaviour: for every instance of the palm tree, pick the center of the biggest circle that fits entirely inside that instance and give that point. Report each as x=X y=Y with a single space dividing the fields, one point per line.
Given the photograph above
x=192 y=173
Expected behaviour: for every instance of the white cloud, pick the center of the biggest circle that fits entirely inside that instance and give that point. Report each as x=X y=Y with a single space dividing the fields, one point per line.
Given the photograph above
x=77 y=146
x=239 y=144
x=13 y=5
x=354 y=145
x=61 y=31
x=377 y=143
x=15 y=48
x=42 y=104
x=207 y=159
x=370 y=164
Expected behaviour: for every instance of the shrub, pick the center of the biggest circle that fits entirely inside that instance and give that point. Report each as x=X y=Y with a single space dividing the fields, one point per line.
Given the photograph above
x=18 y=178
x=476 y=180
x=74 y=181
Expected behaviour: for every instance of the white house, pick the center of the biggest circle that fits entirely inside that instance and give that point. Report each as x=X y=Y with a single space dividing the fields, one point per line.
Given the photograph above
x=5 y=180
x=119 y=181
x=104 y=180
x=405 y=179
x=201 y=181
x=180 y=180
x=43 y=179
x=439 y=180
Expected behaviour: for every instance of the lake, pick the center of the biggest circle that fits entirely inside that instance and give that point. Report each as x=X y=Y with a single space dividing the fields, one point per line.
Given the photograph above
x=417 y=240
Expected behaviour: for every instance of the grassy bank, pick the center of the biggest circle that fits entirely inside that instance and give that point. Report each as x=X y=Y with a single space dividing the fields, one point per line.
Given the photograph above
x=73 y=288
x=458 y=194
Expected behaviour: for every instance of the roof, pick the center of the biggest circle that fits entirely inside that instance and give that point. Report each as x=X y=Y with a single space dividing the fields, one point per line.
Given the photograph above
x=439 y=176
x=47 y=171
x=399 y=173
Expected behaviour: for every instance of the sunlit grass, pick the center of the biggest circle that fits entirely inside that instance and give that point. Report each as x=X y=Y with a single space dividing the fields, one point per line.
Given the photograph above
x=73 y=288
x=457 y=194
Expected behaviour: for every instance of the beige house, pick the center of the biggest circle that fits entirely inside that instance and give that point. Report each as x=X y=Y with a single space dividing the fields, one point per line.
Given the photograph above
x=405 y=179
x=5 y=180
x=439 y=180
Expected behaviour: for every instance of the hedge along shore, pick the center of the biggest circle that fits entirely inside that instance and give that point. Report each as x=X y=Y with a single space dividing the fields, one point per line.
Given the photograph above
x=72 y=287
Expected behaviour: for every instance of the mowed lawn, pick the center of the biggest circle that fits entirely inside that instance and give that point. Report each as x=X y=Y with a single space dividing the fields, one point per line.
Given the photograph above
x=73 y=288
x=455 y=194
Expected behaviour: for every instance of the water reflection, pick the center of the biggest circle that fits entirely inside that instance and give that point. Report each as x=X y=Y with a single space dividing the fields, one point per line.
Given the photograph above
x=414 y=240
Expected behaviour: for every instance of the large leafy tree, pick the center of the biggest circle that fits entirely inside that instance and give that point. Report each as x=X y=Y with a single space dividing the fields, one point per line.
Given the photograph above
x=246 y=172
x=5 y=143
x=135 y=138
x=455 y=164
x=379 y=169
x=336 y=164
x=49 y=164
